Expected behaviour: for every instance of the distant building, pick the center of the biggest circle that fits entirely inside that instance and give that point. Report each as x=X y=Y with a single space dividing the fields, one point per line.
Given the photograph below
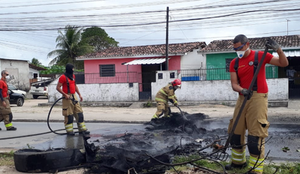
x=34 y=73
x=19 y=72
x=139 y=64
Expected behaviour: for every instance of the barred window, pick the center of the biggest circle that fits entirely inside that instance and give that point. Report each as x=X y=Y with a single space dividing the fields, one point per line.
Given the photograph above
x=107 y=70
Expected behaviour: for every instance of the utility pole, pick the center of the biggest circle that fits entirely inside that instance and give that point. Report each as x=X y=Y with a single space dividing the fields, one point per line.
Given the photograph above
x=167 y=40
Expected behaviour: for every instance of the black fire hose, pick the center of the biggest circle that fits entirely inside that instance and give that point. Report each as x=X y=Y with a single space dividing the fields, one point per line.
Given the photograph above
x=183 y=116
x=245 y=100
x=48 y=122
x=42 y=133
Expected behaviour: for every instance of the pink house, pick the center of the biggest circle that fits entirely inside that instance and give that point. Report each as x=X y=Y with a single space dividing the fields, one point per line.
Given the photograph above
x=136 y=64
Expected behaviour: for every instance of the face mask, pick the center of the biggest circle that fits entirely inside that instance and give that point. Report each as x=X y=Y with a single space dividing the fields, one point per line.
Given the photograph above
x=240 y=54
x=7 y=78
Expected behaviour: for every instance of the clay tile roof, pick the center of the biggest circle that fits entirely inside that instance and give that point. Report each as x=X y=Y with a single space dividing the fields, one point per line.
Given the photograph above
x=291 y=41
x=147 y=50
x=36 y=67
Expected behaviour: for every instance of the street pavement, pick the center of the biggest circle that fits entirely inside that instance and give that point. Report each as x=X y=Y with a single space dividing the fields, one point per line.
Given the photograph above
x=38 y=110
x=99 y=121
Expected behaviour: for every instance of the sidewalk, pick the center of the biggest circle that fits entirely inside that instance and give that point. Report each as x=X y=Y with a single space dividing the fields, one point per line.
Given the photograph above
x=38 y=109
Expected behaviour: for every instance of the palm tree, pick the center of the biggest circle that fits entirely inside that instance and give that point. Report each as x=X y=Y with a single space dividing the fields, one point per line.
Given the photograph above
x=69 y=47
x=36 y=62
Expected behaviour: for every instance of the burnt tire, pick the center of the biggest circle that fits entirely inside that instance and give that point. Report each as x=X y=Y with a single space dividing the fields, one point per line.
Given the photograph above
x=34 y=160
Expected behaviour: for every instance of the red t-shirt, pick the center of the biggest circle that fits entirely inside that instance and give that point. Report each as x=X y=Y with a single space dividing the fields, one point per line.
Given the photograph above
x=4 y=88
x=63 y=80
x=246 y=71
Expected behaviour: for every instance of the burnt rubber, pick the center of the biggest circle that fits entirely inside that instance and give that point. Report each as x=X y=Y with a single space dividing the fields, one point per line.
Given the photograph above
x=34 y=160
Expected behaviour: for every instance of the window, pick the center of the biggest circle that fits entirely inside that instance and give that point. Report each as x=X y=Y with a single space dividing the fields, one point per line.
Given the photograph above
x=228 y=64
x=172 y=75
x=107 y=70
x=160 y=75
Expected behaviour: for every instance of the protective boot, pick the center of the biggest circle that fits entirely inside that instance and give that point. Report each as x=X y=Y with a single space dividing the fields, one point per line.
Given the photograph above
x=70 y=133
x=155 y=116
x=11 y=129
x=236 y=166
x=81 y=125
x=69 y=125
x=251 y=172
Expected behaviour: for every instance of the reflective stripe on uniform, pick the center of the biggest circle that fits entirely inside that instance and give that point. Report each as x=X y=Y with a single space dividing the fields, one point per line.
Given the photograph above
x=162 y=91
x=159 y=99
x=81 y=126
x=69 y=127
x=238 y=157
x=155 y=116
x=8 y=125
x=256 y=164
x=172 y=97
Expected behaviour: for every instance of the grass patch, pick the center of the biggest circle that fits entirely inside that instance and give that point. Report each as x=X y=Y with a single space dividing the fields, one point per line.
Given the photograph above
x=7 y=159
x=269 y=167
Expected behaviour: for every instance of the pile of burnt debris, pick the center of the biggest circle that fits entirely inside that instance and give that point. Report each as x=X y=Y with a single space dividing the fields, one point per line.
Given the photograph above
x=152 y=150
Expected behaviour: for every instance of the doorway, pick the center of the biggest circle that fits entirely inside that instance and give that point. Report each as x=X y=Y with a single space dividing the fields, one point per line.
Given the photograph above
x=148 y=76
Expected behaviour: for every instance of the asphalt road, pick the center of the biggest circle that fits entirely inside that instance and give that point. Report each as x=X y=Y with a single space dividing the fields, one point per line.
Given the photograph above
x=283 y=130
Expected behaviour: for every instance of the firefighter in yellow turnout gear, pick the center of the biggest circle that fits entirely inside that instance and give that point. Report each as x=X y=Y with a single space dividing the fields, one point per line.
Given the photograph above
x=164 y=95
x=70 y=104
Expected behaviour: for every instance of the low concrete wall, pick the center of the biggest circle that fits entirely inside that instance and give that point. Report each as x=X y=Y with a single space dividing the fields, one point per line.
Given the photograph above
x=114 y=92
x=201 y=91
x=220 y=90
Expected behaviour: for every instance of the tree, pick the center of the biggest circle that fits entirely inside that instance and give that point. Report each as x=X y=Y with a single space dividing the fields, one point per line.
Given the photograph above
x=69 y=47
x=98 y=38
x=57 y=69
x=36 y=62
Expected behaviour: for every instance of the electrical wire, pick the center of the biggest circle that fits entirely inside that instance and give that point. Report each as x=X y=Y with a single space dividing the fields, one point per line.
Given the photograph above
x=192 y=15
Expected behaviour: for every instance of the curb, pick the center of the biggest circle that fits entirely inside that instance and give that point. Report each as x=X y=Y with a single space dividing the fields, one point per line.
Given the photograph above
x=279 y=103
x=86 y=121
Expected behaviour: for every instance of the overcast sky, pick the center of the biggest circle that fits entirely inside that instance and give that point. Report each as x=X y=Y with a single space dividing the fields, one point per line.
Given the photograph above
x=28 y=29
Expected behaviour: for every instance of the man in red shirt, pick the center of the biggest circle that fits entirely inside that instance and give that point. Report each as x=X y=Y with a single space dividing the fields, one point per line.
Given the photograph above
x=254 y=115
x=5 y=111
x=70 y=104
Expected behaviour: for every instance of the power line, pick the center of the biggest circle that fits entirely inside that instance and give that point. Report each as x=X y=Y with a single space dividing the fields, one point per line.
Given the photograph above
x=47 y=4
x=160 y=22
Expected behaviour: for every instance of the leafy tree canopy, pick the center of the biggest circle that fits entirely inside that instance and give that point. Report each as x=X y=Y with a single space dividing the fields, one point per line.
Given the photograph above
x=98 y=38
x=57 y=69
x=69 y=46
x=36 y=62
x=74 y=41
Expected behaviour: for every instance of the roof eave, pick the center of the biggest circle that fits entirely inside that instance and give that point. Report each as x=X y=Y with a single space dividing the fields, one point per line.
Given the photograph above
x=230 y=51
x=122 y=57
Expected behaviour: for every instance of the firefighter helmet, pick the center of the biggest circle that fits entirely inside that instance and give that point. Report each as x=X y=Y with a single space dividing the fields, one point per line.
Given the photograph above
x=177 y=82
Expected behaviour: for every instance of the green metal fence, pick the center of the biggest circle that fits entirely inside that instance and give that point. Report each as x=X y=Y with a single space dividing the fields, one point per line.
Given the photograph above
x=219 y=74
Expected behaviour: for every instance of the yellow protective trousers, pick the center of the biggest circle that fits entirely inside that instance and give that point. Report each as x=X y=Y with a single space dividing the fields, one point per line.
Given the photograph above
x=162 y=108
x=5 y=113
x=254 y=119
x=71 y=109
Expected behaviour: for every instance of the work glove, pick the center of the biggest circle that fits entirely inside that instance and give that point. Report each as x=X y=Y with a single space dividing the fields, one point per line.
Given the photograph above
x=272 y=44
x=247 y=93
x=176 y=104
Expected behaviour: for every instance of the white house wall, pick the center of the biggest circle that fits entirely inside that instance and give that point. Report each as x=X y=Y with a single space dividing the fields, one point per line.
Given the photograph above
x=220 y=90
x=19 y=71
x=100 y=92
x=193 y=60
x=33 y=71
